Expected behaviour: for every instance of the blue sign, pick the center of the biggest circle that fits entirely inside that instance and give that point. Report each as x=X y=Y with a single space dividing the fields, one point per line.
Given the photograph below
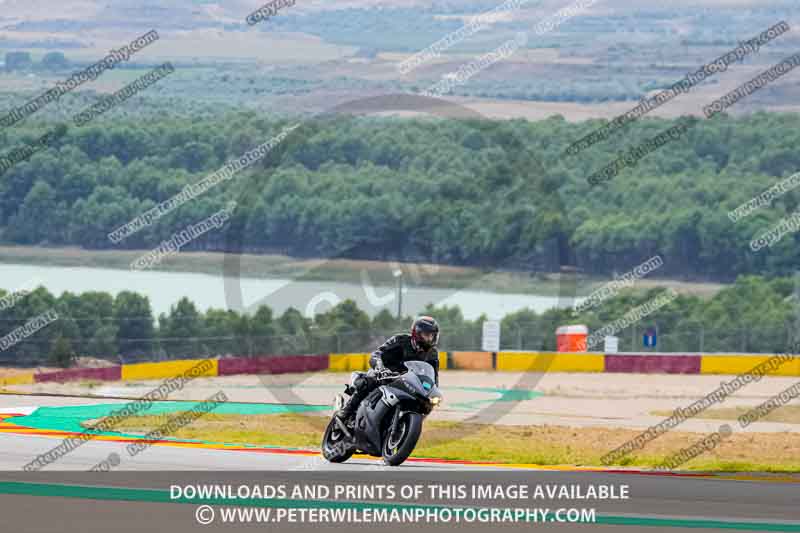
x=649 y=339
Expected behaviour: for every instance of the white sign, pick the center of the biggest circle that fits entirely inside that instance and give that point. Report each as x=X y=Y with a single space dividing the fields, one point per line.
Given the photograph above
x=491 y=336
x=611 y=344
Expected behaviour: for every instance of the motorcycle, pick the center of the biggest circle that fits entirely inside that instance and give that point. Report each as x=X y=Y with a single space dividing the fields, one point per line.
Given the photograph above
x=388 y=422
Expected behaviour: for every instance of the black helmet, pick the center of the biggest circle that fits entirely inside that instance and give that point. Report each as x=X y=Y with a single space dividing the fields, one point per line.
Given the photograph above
x=424 y=333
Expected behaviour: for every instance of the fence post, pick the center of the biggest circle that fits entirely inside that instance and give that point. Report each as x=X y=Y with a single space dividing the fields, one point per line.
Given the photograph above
x=702 y=337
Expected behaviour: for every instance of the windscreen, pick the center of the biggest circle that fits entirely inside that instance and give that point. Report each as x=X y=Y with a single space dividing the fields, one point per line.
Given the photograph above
x=421 y=369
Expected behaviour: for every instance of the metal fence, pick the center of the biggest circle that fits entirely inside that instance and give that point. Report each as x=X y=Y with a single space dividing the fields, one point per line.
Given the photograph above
x=533 y=337
x=696 y=338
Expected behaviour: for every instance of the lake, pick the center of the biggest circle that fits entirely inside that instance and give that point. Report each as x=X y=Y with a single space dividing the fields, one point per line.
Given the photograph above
x=206 y=291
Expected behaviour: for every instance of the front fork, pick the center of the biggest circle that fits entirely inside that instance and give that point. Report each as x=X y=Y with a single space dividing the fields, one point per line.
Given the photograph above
x=398 y=414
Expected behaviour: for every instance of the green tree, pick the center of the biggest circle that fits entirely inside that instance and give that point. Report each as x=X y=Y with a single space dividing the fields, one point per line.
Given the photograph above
x=294 y=332
x=103 y=342
x=133 y=318
x=224 y=333
x=62 y=353
x=41 y=218
x=348 y=324
x=55 y=61
x=262 y=332
x=18 y=61
x=180 y=330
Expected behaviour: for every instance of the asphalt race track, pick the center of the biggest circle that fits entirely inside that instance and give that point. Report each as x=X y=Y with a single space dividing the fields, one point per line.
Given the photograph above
x=657 y=501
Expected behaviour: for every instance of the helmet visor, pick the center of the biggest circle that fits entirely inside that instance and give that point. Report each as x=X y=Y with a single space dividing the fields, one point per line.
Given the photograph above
x=427 y=337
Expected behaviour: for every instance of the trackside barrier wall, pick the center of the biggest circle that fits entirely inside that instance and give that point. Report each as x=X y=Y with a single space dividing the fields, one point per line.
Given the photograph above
x=272 y=364
x=653 y=364
x=351 y=362
x=348 y=362
x=633 y=363
x=167 y=369
x=647 y=363
x=112 y=373
x=549 y=362
x=26 y=378
x=471 y=360
x=696 y=363
x=738 y=364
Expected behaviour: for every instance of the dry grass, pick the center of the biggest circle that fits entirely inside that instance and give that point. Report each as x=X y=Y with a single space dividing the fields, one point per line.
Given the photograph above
x=787 y=414
x=11 y=372
x=544 y=445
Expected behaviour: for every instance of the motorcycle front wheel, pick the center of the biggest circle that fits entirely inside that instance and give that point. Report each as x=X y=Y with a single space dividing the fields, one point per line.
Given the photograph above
x=400 y=441
x=335 y=447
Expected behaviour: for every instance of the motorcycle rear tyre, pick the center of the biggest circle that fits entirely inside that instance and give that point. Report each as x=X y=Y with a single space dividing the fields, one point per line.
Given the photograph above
x=330 y=450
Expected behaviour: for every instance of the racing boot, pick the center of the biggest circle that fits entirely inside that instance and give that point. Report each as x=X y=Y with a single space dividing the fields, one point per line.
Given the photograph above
x=347 y=413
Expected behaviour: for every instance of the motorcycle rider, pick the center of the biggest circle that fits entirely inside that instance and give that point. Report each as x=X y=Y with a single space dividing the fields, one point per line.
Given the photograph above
x=419 y=345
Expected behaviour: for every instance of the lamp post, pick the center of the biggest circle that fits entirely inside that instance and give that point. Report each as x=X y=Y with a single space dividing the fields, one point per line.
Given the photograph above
x=398 y=275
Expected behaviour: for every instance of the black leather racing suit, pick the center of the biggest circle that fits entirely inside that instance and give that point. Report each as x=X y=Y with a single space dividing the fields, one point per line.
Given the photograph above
x=392 y=354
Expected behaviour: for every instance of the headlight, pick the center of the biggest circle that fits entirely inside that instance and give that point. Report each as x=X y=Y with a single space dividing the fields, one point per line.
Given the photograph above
x=436 y=400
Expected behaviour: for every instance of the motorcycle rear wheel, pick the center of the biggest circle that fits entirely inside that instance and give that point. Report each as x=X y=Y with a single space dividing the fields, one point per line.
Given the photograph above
x=334 y=444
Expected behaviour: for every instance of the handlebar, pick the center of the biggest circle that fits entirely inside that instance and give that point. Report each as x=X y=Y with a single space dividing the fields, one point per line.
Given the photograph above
x=388 y=374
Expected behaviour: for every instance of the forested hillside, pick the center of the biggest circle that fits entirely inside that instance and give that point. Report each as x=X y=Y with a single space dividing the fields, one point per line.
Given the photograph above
x=493 y=194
